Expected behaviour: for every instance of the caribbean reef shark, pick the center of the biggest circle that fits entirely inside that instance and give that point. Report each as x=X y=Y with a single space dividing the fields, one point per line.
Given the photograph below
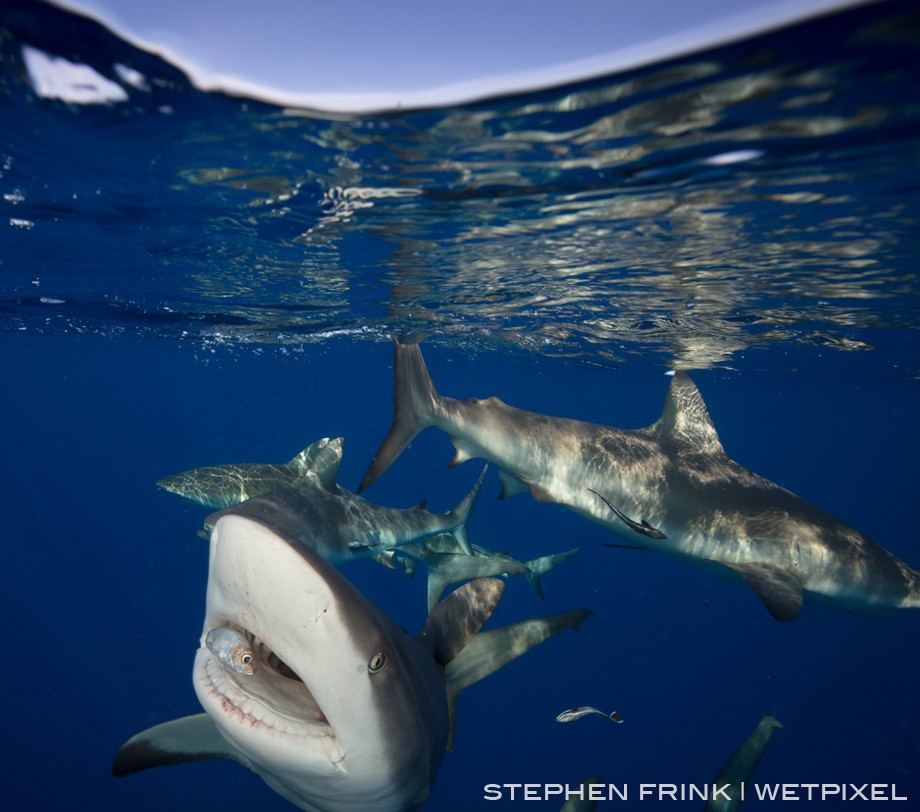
x=340 y=710
x=447 y=565
x=669 y=487
x=221 y=486
x=318 y=512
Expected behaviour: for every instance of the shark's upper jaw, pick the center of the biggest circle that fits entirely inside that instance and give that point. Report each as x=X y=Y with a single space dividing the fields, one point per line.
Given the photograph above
x=344 y=711
x=284 y=714
x=308 y=683
x=274 y=700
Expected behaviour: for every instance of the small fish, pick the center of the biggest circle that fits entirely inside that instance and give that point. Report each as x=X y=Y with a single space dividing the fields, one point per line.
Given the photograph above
x=586 y=710
x=232 y=649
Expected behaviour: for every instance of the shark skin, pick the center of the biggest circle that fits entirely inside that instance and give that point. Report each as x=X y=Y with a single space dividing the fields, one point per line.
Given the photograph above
x=669 y=487
x=221 y=486
x=345 y=711
x=320 y=513
x=740 y=768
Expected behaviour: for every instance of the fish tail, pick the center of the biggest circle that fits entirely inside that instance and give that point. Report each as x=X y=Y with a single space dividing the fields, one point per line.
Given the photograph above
x=540 y=566
x=415 y=403
x=460 y=515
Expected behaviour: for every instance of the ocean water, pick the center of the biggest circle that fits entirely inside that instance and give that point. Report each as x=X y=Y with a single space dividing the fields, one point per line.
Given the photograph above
x=191 y=279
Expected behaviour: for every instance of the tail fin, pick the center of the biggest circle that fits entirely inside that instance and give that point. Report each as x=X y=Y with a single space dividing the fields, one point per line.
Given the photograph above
x=461 y=514
x=445 y=569
x=540 y=566
x=415 y=400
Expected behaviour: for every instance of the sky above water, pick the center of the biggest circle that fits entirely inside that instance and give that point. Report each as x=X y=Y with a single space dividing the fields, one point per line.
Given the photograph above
x=370 y=55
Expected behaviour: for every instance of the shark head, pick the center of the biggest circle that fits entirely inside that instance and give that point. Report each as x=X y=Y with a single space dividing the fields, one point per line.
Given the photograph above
x=343 y=710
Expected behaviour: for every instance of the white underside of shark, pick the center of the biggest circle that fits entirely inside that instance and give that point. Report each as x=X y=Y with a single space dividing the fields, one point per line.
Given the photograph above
x=344 y=710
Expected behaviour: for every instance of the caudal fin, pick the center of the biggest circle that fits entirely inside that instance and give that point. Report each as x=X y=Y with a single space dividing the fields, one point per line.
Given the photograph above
x=540 y=566
x=414 y=404
x=461 y=514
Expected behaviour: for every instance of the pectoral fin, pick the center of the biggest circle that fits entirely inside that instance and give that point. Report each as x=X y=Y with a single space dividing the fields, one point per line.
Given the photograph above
x=460 y=457
x=191 y=738
x=456 y=619
x=491 y=650
x=779 y=587
x=511 y=485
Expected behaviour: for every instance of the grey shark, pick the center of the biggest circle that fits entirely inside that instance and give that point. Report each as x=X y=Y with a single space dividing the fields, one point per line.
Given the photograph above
x=739 y=769
x=221 y=486
x=669 y=487
x=445 y=569
x=533 y=570
x=345 y=711
x=340 y=525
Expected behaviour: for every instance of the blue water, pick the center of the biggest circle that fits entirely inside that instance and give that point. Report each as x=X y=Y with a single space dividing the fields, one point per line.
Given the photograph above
x=191 y=279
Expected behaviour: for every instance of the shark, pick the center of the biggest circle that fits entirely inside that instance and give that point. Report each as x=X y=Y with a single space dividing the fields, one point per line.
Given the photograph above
x=342 y=710
x=669 y=487
x=451 y=567
x=445 y=569
x=319 y=512
x=533 y=570
x=740 y=767
x=220 y=486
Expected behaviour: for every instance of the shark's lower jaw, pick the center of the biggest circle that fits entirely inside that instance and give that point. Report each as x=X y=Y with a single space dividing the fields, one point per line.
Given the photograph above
x=269 y=710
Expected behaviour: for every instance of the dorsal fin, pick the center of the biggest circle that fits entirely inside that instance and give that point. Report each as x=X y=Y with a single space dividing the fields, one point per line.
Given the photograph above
x=455 y=620
x=321 y=458
x=686 y=418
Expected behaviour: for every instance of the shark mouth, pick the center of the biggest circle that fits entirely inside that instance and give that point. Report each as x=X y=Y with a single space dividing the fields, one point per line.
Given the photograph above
x=273 y=699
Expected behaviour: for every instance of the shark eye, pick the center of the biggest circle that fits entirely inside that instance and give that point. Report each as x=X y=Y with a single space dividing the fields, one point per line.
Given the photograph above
x=378 y=661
